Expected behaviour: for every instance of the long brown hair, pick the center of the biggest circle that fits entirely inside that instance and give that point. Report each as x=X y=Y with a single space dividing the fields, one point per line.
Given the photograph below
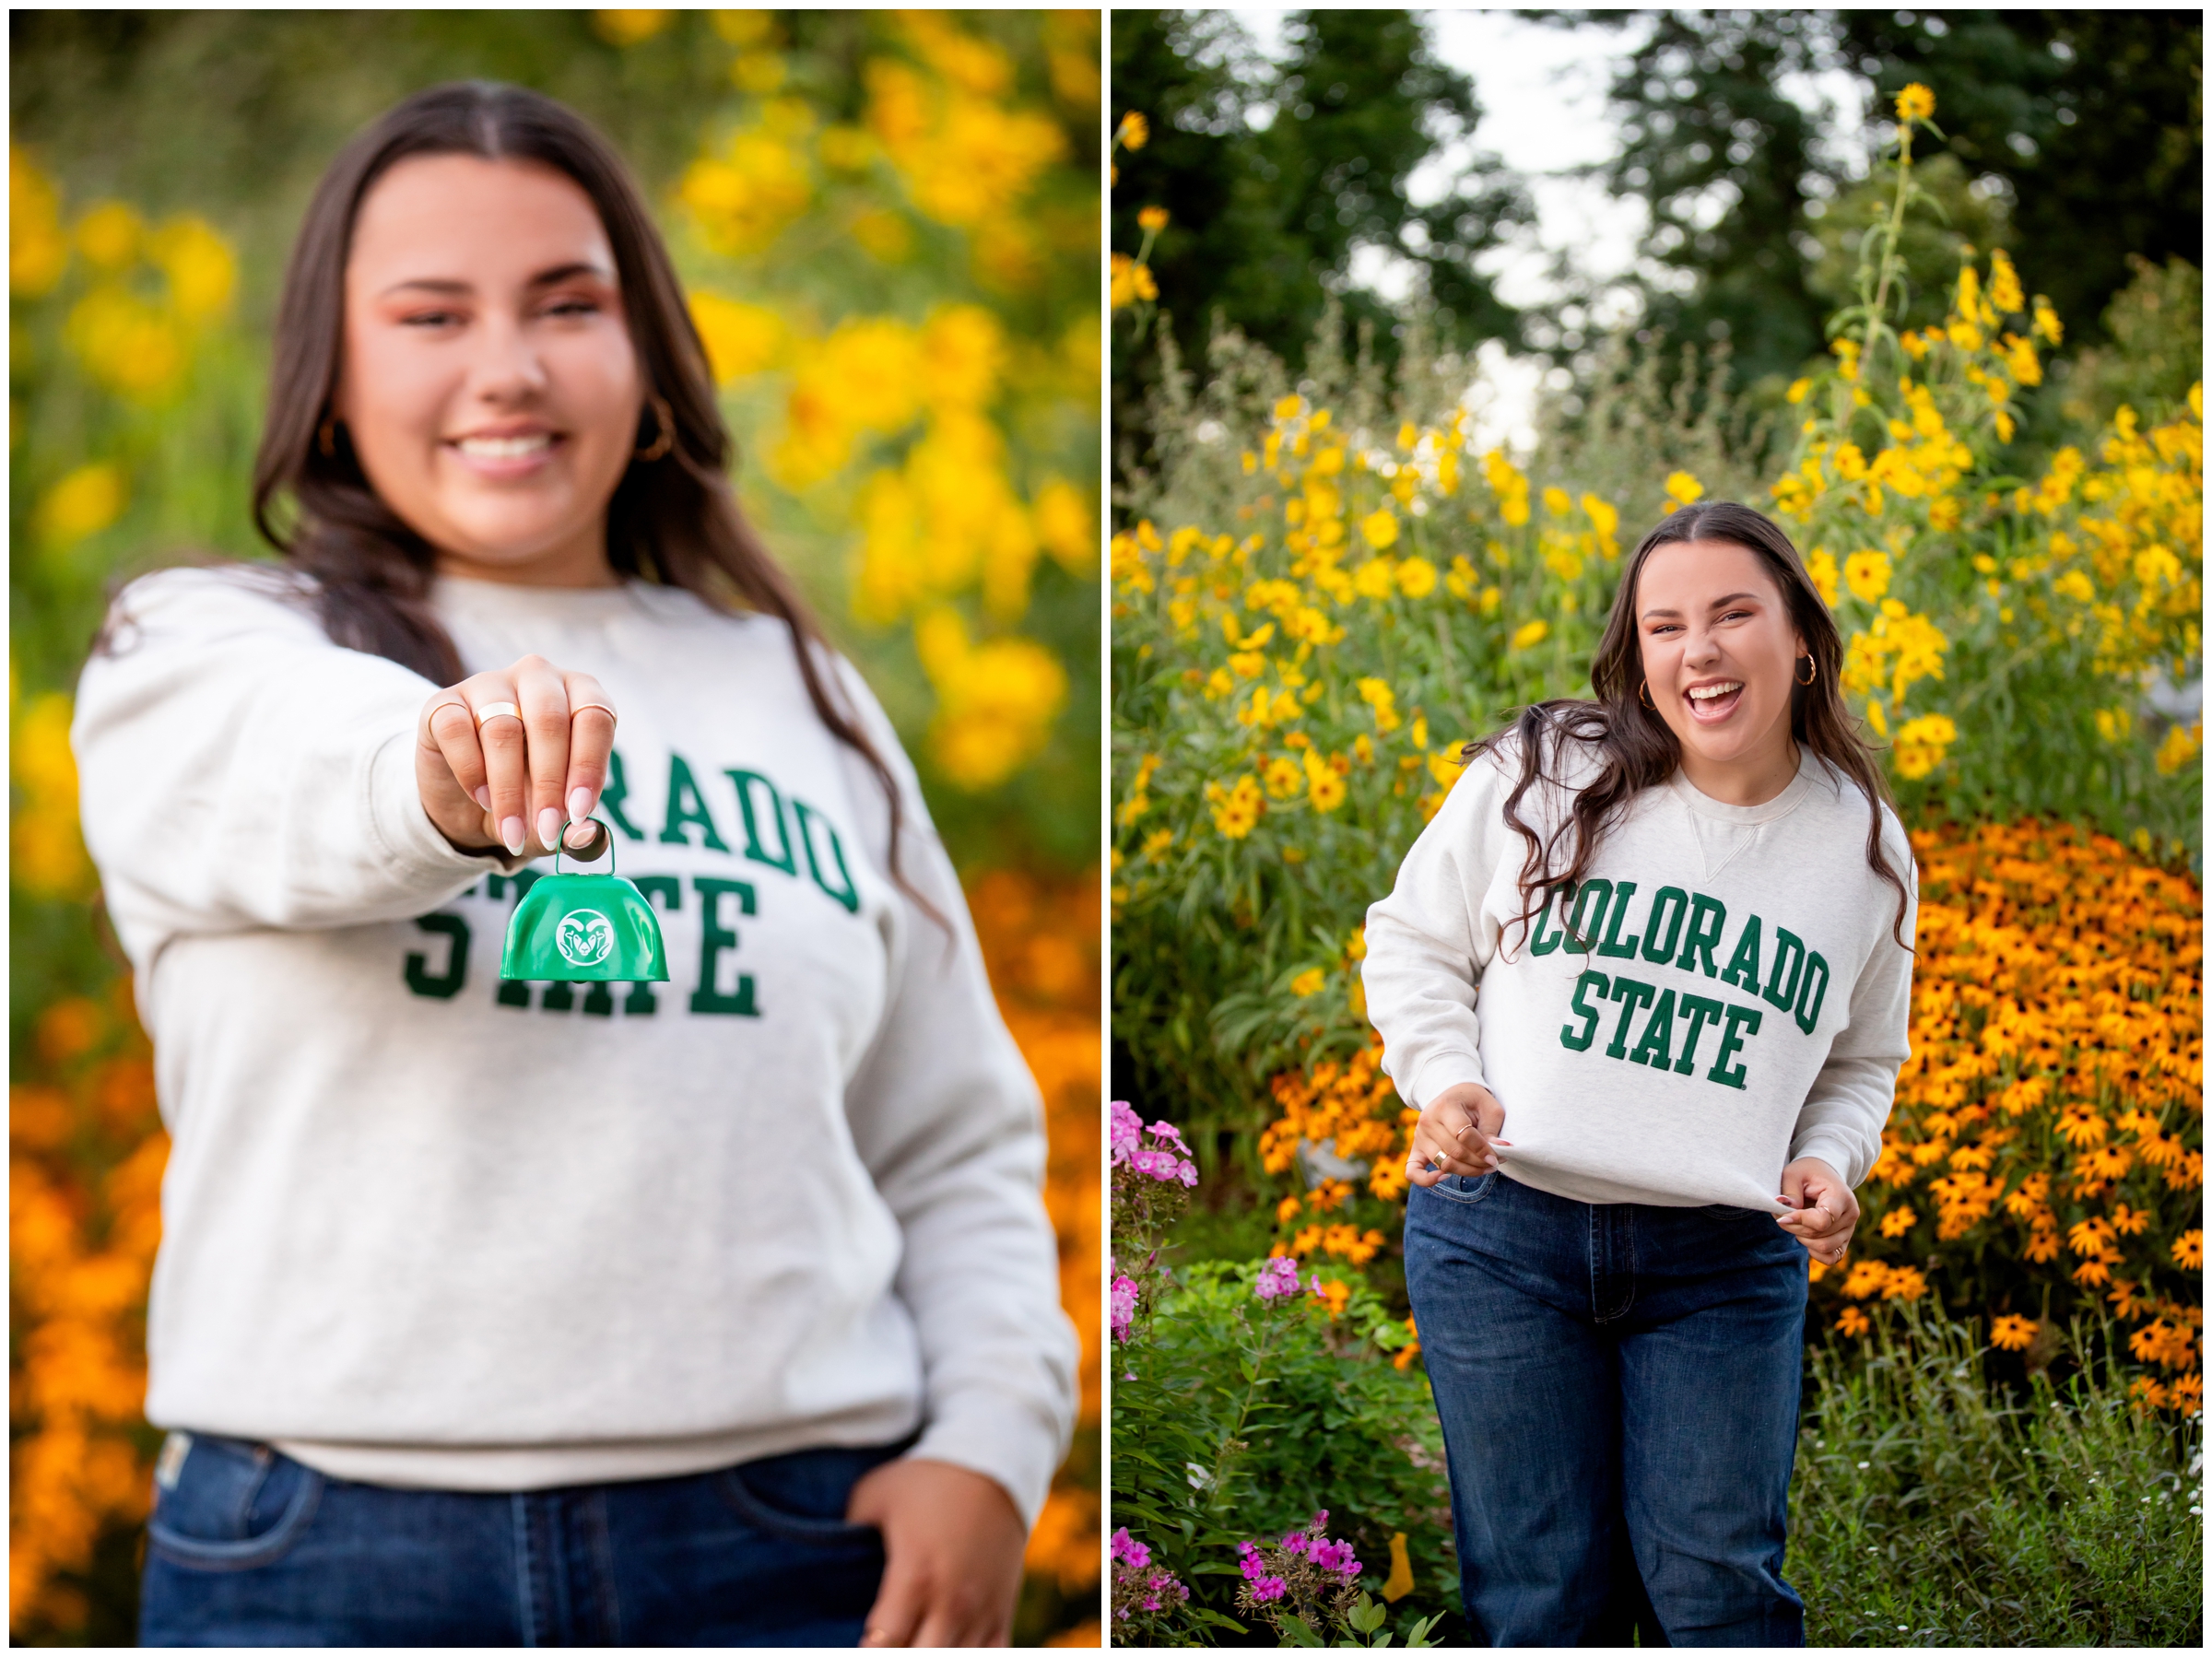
x=1635 y=748
x=672 y=519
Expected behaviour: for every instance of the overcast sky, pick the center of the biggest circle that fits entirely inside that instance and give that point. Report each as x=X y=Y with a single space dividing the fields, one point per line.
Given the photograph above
x=1542 y=92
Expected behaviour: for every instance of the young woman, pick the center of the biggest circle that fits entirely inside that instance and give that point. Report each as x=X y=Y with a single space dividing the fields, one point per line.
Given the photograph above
x=1690 y=910
x=722 y=1310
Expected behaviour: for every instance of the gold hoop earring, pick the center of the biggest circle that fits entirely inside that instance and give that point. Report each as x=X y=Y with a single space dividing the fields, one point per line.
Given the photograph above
x=1816 y=672
x=1644 y=694
x=666 y=439
x=326 y=438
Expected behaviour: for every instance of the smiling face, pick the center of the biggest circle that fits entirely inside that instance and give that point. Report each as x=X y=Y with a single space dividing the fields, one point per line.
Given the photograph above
x=488 y=384
x=1719 y=652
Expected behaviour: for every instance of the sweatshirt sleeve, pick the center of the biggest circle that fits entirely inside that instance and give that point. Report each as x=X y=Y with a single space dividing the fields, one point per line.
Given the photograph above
x=1842 y=1120
x=950 y=1122
x=1429 y=942
x=238 y=770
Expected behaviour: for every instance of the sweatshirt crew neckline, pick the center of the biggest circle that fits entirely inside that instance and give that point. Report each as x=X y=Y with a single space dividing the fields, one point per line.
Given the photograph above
x=1782 y=805
x=471 y=595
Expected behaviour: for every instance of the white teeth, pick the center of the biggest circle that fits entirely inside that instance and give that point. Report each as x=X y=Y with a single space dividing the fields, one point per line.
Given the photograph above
x=504 y=447
x=1705 y=693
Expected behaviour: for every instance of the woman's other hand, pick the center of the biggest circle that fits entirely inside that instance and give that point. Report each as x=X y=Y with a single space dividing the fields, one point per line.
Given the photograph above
x=952 y=1547
x=1457 y=1132
x=1826 y=1211
x=502 y=758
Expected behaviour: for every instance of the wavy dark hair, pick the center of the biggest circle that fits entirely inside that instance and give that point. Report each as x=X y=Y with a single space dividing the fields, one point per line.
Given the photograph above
x=672 y=519
x=1635 y=748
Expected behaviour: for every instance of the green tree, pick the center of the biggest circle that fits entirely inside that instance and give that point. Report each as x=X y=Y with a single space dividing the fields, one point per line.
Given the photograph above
x=2072 y=138
x=1275 y=174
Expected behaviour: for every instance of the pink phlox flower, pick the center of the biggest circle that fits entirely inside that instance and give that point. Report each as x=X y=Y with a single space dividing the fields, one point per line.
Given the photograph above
x=1129 y=1551
x=1126 y=1131
x=1277 y=1278
x=1121 y=1306
x=1269 y=1587
x=1295 y=1543
x=1337 y=1557
x=1168 y=1131
x=1163 y=1166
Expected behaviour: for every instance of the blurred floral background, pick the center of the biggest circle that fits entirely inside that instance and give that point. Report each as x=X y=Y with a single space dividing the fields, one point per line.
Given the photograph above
x=888 y=224
x=1333 y=566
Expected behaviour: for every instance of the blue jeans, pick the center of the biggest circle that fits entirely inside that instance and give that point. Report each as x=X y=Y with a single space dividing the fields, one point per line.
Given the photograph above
x=1618 y=1388
x=248 y=1548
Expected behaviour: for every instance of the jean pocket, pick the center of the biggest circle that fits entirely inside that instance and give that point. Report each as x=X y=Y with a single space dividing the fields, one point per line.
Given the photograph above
x=801 y=1496
x=1463 y=1189
x=230 y=1505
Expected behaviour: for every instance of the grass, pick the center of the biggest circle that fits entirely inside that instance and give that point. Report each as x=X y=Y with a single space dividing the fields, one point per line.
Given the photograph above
x=1931 y=1506
x=1934 y=1503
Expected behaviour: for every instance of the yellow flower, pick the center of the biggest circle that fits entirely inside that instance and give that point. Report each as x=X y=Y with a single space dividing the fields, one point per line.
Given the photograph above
x=81 y=504
x=37 y=250
x=2012 y=1333
x=1821 y=566
x=1282 y=777
x=1915 y=102
x=1379 y=696
x=2180 y=746
x=744 y=194
x=996 y=701
x=1921 y=742
x=1308 y=983
x=107 y=235
x=1605 y=519
x=1798 y=389
x=1380 y=527
x=1152 y=218
x=628 y=28
x=1852 y=1321
x=2004 y=284
x=1373 y=579
x=1416 y=578
x=1556 y=502
x=198 y=263
x=741 y=339
x=1132 y=131
x=128 y=346
x=1866 y=573
x=1531 y=633
x=1682 y=488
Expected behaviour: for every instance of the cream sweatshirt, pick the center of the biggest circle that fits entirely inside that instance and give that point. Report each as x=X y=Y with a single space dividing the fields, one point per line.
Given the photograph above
x=1719 y=996
x=424 y=1228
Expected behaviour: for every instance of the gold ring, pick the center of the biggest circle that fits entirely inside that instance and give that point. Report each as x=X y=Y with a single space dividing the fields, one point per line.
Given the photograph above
x=578 y=707
x=497 y=711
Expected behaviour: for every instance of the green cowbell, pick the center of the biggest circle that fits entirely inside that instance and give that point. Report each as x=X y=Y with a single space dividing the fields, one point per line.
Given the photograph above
x=584 y=929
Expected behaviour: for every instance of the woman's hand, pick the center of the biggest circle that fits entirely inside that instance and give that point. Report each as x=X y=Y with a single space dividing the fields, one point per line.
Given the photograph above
x=952 y=1547
x=510 y=779
x=1826 y=1210
x=1457 y=1132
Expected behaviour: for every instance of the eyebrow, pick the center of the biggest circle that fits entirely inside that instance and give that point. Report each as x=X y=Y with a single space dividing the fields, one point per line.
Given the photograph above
x=544 y=278
x=1717 y=603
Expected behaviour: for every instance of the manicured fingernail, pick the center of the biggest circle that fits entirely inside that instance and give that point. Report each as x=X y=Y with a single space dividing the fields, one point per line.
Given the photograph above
x=511 y=835
x=580 y=802
x=1507 y=1142
x=548 y=825
x=483 y=798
